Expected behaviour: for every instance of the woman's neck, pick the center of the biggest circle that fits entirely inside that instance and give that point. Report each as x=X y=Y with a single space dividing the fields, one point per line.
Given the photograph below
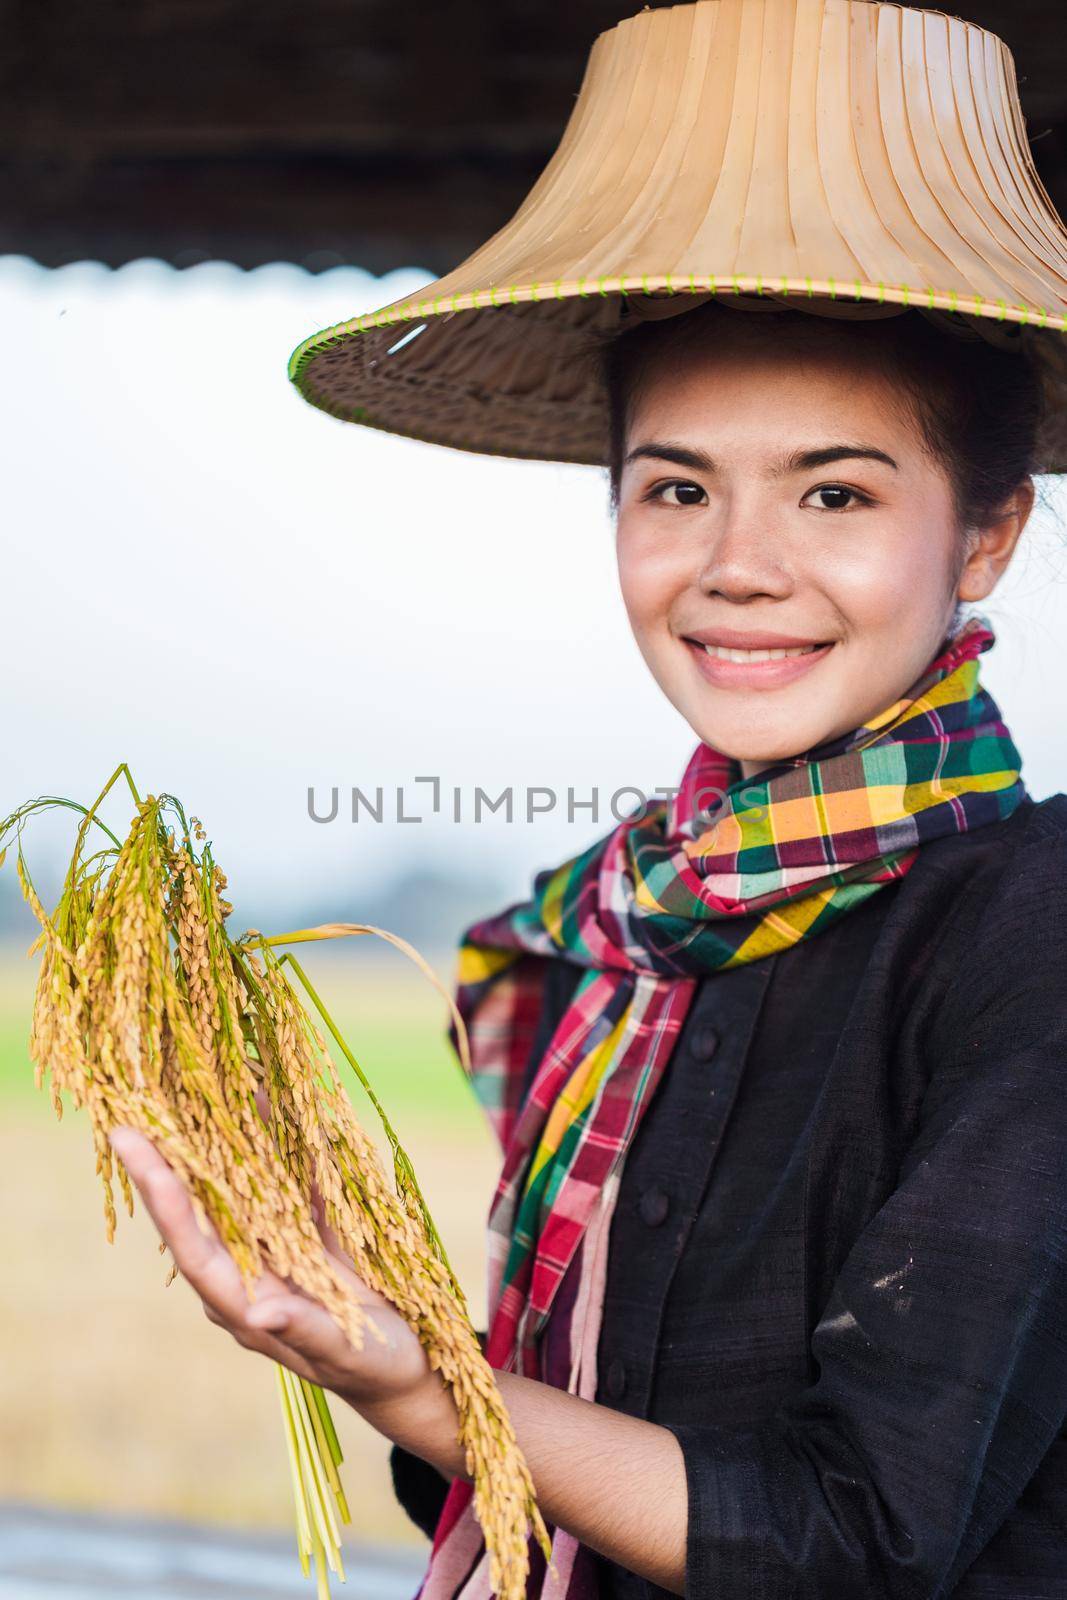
x=750 y=769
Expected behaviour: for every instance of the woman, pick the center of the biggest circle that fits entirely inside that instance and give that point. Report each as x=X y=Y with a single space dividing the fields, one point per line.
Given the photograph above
x=778 y=1257
x=841 y=1225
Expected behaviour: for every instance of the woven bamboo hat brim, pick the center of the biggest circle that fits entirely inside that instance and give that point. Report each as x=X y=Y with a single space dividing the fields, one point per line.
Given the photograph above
x=838 y=155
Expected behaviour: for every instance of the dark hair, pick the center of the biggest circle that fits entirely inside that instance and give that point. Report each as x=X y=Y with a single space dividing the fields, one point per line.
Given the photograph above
x=978 y=407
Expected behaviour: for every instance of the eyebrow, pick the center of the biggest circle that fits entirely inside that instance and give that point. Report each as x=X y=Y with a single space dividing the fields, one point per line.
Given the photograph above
x=677 y=453
x=799 y=461
x=802 y=460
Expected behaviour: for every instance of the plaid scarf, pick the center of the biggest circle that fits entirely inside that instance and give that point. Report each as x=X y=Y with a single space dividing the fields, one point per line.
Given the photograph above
x=678 y=890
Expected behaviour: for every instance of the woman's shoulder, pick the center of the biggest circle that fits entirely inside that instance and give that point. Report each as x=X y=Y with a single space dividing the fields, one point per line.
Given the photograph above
x=1003 y=885
x=1046 y=818
x=1027 y=854
x=1000 y=951
x=1023 y=855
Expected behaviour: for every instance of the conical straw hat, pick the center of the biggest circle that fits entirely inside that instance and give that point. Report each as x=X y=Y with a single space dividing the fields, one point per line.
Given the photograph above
x=839 y=155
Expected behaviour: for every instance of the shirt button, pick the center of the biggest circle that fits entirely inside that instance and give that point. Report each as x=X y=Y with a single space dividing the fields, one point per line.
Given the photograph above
x=704 y=1042
x=615 y=1380
x=654 y=1206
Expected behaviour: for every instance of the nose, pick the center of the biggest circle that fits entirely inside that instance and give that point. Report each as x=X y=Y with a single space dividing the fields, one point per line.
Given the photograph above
x=744 y=558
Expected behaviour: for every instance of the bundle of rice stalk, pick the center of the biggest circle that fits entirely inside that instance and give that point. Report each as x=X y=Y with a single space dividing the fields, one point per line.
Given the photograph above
x=149 y=1013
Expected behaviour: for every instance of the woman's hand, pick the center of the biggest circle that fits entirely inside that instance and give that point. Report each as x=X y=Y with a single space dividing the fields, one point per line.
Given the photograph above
x=616 y=1482
x=282 y=1322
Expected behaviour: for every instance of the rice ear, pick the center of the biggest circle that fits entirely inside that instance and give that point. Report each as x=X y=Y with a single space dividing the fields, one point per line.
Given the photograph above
x=147 y=1013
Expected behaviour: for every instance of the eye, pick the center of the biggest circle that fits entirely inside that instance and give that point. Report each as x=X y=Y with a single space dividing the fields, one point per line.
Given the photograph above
x=683 y=487
x=838 y=489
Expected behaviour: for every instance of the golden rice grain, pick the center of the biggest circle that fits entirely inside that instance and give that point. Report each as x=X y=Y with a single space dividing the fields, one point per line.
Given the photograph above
x=148 y=1013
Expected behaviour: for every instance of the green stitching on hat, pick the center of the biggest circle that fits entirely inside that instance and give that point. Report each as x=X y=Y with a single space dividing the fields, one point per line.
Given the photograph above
x=334 y=338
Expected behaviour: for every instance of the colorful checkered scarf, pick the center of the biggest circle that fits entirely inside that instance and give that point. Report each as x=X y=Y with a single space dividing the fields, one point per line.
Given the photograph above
x=728 y=871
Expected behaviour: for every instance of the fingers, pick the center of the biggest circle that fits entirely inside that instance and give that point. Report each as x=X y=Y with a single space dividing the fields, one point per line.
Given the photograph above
x=304 y=1326
x=329 y=1238
x=282 y=1322
x=166 y=1201
x=331 y=1243
x=200 y=1257
x=360 y=1288
x=318 y=1209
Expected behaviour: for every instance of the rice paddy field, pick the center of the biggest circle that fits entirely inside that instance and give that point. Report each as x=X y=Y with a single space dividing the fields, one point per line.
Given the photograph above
x=117 y=1394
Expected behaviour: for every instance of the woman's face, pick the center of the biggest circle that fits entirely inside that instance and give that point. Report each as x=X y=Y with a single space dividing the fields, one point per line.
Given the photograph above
x=770 y=500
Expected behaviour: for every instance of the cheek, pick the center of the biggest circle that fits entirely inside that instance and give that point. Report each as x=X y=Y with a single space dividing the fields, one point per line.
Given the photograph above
x=652 y=572
x=888 y=582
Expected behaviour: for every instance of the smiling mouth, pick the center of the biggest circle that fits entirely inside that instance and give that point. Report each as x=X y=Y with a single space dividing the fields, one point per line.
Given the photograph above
x=727 y=667
x=722 y=653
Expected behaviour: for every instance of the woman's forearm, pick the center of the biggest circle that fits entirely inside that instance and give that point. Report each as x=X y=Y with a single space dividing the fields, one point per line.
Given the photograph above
x=615 y=1482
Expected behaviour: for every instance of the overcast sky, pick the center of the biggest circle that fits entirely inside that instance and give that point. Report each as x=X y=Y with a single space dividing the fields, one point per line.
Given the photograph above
x=243 y=597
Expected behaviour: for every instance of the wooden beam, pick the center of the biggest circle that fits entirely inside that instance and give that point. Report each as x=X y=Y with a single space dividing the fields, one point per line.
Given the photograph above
x=342 y=130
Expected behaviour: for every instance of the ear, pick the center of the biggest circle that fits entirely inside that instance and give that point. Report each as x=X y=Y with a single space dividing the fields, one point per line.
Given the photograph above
x=992 y=547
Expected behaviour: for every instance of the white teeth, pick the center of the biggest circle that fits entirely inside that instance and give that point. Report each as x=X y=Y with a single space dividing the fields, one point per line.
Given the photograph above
x=758 y=655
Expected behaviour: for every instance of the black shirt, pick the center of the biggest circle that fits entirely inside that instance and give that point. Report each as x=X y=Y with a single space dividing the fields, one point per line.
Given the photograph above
x=837 y=1269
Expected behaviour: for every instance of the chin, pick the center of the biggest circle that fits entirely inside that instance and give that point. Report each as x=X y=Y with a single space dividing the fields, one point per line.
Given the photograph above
x=737 y=742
